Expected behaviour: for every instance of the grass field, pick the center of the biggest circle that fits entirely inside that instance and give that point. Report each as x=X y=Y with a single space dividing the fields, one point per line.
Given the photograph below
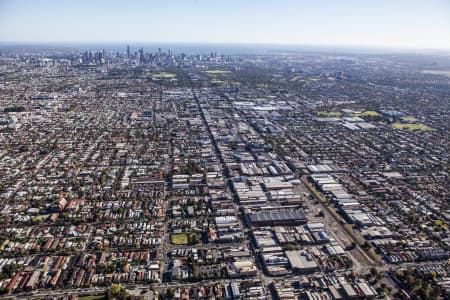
x=164 y=75
x=41 y=218
x=91 y=297
x=297 y=78
x=216 y=81
x=410 y=119
x=413 y=127
x=329 y=114
x=437 y=72
x=368 y=113
x=217 y=72
x=440 y=224
x=179 y=239
x=183 y=238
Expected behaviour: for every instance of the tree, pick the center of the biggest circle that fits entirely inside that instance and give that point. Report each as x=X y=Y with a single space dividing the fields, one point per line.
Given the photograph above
x=169 y=292
x=115 y=289
x=412 y=217
x=373 y=272
x=435 y=292
x=388 y=291
x=433 y=275
x=10 y=270
x=117 y=292
x=426 y=291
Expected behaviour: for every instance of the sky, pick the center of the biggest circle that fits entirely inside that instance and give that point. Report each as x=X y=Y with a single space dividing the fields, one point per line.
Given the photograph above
x=381 y=23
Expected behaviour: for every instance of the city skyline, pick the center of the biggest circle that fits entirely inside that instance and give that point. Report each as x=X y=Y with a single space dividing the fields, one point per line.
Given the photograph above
x=403 y=24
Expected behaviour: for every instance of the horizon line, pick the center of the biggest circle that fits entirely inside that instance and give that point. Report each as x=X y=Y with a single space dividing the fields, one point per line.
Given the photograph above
x=125 y=42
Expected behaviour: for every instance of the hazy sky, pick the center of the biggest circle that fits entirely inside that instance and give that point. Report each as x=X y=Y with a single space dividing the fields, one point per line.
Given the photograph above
x=393 y=23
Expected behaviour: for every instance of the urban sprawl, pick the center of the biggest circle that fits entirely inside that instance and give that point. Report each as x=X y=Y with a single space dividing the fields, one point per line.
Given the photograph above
x=163 y=175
